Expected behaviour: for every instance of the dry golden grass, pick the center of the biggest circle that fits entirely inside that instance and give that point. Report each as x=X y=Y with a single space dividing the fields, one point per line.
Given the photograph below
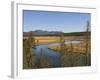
x=55 y=39
x=46 y=40
x=76 y=48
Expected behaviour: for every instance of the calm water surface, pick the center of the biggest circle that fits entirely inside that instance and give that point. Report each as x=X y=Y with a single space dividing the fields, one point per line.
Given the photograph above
x=50 y=56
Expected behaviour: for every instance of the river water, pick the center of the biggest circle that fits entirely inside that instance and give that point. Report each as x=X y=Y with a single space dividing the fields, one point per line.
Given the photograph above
x=51 y=57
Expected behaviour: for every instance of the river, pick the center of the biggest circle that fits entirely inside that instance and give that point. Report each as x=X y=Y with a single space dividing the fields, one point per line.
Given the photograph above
x=51 y=57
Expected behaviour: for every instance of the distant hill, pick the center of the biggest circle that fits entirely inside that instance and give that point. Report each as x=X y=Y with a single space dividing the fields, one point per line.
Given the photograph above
x=76 y=34
x=42 y=33
x=53 y=33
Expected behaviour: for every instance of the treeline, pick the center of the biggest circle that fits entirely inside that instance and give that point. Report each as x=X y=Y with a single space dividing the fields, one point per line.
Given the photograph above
x=65 y=34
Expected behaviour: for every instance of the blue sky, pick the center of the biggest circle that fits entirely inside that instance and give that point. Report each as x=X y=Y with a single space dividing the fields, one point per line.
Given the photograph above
x=54 y=21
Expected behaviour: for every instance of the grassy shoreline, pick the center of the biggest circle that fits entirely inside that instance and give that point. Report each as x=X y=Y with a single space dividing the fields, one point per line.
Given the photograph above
x=75 y=48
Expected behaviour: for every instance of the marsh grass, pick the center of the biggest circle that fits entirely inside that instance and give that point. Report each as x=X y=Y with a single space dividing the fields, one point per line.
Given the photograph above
x=72 y=54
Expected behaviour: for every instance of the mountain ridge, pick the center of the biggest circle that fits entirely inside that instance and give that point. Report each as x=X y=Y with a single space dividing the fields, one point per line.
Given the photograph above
x=53 y=33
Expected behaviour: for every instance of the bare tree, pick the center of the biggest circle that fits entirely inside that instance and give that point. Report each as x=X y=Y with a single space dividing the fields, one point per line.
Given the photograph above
x=88 y=43
x=27 y=50
x=62 y=43
x=87 y=36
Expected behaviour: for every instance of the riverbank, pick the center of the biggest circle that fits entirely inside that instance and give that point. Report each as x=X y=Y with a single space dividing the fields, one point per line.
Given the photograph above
x=48 y=52
x=75 y=48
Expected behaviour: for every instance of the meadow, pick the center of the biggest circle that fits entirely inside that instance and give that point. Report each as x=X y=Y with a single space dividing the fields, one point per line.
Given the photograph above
x=54 y=39
x=72 y=54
